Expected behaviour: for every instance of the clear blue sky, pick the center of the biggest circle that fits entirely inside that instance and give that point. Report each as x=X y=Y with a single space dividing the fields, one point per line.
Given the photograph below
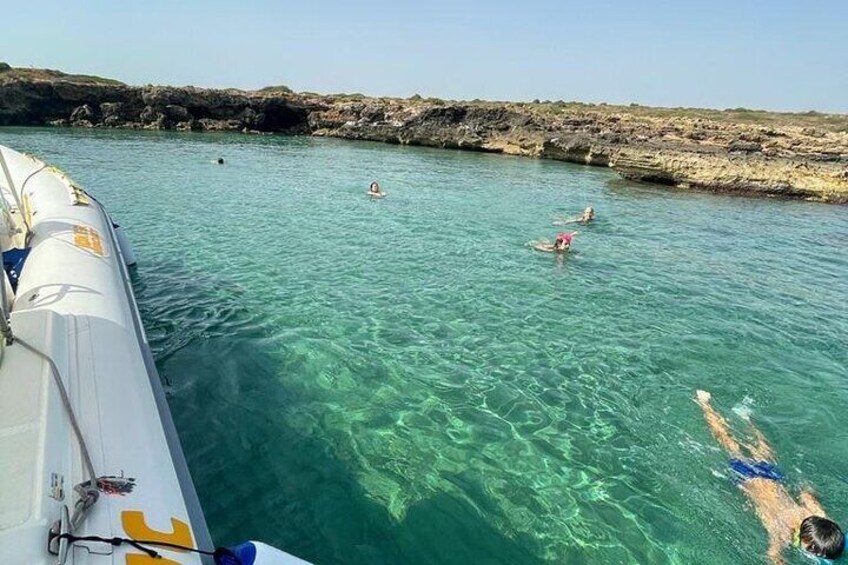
x=778 y=54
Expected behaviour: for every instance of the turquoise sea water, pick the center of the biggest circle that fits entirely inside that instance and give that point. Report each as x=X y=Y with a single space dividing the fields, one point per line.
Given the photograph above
x=405 y=381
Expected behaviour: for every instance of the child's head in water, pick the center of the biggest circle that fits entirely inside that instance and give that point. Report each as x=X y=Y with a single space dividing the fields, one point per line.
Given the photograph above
x=821 y=537
x=562 y=241
x=374 y=187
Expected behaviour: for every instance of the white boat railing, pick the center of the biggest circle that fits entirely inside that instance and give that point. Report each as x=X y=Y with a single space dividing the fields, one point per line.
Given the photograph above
x=11 y=185
x=5 y=303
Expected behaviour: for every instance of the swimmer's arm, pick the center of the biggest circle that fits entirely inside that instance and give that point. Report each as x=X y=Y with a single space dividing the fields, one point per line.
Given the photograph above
x=566 y=221
x=717 y=424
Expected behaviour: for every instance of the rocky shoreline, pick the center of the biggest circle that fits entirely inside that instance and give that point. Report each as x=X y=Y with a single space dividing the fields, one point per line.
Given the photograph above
x=734 y=151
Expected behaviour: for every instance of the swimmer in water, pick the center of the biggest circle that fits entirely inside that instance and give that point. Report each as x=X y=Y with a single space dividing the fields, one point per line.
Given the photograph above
x=802 y=523
x=220 y=160
x=587 y=216
x=374 y=190
x=561 y=244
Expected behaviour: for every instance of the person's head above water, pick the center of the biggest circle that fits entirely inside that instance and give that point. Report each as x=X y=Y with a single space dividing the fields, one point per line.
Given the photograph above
x=821 y=537
x=220 y=160
x=374 y=187
x=563 y=241
x=589 y=213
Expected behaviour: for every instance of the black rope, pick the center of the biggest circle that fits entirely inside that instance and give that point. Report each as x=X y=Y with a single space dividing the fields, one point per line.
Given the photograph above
x=139 y=544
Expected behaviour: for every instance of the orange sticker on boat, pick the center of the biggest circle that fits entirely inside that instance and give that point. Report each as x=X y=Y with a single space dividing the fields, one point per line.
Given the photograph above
x=88 y=238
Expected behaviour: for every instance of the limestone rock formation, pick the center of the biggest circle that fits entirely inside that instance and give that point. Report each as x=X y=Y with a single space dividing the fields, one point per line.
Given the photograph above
x=739 y=151
x=33 y=97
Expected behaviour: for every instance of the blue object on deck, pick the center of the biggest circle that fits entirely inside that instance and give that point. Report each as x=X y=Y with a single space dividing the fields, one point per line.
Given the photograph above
x=245 y=554
x=13 y=264
x=746 y=469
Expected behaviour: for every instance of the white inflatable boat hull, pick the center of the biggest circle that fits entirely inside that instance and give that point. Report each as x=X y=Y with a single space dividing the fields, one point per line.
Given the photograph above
x=74 y=307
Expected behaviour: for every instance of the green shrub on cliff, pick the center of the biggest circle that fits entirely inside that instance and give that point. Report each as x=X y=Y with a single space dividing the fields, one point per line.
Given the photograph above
x=349 y=95
x=278 y=88
x=50 y=75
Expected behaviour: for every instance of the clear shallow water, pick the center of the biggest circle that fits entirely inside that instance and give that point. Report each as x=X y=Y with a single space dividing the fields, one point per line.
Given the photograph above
x=404 y=381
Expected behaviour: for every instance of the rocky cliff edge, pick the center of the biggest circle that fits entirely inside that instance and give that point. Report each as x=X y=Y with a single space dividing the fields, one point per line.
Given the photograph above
x=734 y=151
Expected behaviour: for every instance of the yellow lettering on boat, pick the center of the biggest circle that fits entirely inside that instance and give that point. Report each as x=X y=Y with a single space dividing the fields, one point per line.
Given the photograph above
x=141 y=559
x=88 y=238
x=136 y=528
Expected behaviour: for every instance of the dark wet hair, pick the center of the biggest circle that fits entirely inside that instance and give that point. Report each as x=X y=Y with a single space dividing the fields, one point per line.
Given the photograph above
x=220 y=160
x=821 y=537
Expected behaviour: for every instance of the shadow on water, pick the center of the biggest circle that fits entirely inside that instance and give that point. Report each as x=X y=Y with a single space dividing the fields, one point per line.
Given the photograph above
x=260 y=473
x=245 y=456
